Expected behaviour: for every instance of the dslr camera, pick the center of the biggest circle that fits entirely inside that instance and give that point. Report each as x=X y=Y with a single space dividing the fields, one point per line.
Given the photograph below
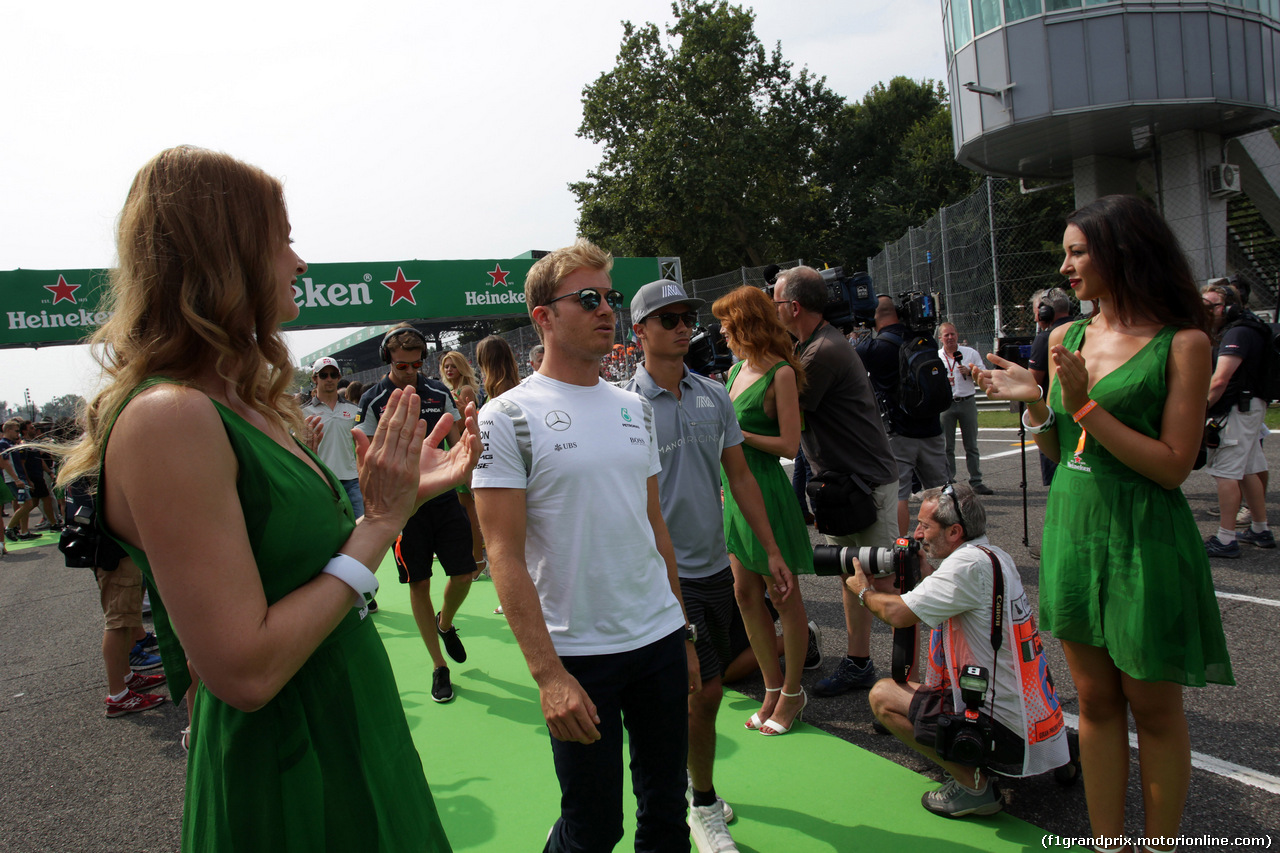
x=900 y=560
x=968 y=738
x=708 y=353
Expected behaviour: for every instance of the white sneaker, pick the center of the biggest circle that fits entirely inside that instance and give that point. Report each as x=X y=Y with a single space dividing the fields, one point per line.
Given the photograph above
x=710 y=835
x=1243 y=517
x=725 y=807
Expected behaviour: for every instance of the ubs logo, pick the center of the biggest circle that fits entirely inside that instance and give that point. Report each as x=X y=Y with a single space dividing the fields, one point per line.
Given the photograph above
x=558 y=420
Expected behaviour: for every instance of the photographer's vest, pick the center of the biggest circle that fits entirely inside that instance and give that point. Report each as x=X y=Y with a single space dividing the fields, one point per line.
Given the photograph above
x=949 y=649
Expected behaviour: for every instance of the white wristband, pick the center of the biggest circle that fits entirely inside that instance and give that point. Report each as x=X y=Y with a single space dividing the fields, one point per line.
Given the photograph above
x=354 y=574
x=1036 y=430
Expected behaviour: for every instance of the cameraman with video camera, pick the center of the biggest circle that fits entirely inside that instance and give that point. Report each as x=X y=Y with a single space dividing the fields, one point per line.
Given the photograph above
x=988 y=703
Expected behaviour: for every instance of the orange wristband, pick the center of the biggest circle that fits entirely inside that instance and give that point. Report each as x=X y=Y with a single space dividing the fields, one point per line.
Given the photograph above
x=1084 y=410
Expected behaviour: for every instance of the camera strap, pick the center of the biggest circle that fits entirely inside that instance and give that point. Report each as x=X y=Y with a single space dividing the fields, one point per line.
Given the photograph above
x=997 y=617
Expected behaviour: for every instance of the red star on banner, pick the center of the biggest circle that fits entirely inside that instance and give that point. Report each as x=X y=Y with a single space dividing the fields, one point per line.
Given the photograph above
x=499 y=275
x=63 y=292
x=401 y=288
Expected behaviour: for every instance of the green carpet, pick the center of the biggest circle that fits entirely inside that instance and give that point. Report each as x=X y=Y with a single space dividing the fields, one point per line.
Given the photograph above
x=488 y=759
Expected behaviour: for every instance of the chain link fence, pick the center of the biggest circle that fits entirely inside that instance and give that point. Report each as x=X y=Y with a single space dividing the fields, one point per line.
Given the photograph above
x=984 y=257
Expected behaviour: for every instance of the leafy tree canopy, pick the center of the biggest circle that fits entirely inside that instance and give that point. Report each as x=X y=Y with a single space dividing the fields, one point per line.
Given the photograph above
x=716 y=151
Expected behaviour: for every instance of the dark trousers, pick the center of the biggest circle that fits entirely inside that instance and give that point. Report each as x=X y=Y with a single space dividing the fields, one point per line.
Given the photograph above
x=800 y=479
x=647 y=690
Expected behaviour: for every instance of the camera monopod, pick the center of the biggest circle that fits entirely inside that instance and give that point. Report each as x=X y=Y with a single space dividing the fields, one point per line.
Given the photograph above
x=906 y=641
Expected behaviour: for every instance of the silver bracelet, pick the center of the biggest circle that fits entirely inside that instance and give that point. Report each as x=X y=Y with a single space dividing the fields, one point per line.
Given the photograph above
x=354 y=574
x=862 y=596
x=1036 y=430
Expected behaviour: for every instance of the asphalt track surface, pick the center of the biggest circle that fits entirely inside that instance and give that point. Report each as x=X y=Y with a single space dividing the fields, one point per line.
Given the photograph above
x=76 y=781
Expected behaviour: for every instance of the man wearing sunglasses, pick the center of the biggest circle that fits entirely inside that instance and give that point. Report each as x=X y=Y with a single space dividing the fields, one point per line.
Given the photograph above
x=567 y=493
x=440 y=528
x=697 y=433
x=957 y=602
x=337 y=419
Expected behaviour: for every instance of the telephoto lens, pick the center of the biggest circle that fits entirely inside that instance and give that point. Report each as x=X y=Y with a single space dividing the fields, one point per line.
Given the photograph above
x=838 y=560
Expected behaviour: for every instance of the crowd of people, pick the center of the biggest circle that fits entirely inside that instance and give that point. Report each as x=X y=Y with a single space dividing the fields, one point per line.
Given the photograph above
x=268 y=637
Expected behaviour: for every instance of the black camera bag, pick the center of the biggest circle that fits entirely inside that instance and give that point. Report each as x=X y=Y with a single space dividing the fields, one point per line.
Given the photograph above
x=842 y=503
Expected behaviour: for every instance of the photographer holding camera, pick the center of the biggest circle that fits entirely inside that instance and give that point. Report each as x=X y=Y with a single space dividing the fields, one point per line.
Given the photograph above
x=988 y=703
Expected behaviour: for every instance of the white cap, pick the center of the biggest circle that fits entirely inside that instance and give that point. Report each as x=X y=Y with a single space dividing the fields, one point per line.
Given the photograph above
x=322 y=363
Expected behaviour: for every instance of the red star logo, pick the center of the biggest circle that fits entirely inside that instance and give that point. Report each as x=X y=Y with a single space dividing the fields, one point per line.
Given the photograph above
x=401 y=288
x=63 y=292
x=499 y=275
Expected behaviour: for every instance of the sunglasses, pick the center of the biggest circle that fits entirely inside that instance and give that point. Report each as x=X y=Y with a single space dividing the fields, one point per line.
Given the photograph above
x=405 y=365
x=328 y=374
x=589 y=298
x=669 y=319
x=950 y=491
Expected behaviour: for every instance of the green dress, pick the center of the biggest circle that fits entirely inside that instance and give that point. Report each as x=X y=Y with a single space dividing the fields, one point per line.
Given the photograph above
x=780 y=502
x=1124 y=567
x=328 y=764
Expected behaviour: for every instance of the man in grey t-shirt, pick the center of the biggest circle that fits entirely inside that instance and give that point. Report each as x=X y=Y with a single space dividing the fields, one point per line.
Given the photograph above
x=697 y=433
x=842 y=433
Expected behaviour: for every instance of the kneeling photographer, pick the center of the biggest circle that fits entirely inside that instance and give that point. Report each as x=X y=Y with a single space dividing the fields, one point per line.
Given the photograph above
x=988 y=703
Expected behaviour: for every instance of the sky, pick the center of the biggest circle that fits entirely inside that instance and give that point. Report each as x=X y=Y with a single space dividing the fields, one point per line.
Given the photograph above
x=403 y=130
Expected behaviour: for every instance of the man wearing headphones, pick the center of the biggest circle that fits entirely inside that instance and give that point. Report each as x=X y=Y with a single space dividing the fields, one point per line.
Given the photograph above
x=440 y=527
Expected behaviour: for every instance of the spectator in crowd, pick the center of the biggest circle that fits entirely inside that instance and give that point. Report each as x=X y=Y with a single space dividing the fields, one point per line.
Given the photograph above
x=956 y=600
x=440 y=528
x=961 y=362
x=257 y=572
x=535 y=357
x=338 y=418
x=353 y=392
x=498 y=366
x=460 y=379
x=1124 y=580
x=843 y=434
x=567 y=491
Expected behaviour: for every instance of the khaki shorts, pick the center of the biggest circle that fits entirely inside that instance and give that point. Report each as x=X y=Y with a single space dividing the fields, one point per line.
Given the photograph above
x=121 y=594
x=1240 y=451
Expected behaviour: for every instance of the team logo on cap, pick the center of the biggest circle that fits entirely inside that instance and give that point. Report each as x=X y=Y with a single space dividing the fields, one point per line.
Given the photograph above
x=672 y=290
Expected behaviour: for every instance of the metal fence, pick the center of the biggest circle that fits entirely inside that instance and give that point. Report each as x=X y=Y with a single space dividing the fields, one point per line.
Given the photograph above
x=984 y=257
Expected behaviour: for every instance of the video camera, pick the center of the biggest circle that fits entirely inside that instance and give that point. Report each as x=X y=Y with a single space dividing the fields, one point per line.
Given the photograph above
x=708 y=353
x=967 y=738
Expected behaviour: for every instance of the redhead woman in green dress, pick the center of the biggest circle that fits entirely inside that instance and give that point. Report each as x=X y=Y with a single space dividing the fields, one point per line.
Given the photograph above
x=299 y=739
x=1124 y=580
x=765 y=389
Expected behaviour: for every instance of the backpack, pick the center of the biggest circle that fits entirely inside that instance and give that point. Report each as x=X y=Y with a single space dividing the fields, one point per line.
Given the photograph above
x=1265 y=384
x=923 y=388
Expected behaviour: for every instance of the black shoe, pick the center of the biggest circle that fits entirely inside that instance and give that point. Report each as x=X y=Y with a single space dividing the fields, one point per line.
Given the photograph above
x=441 y=689
x=452 y=644
x=27 y=537
x=11 y=534
x=373 y=605
x=983 y=489
x=813 y=653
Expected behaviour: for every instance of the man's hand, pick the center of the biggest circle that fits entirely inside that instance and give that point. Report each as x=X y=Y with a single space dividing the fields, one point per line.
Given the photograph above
x=570 y=713
x=313 y=432
x=695 y=668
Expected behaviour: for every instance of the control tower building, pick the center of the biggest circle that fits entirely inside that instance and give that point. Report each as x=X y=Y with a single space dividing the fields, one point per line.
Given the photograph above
x=1168 y=96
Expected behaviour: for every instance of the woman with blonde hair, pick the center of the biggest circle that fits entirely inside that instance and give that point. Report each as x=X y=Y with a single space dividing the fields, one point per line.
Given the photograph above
x=498 y=366
x=299 y=739
x=765 y=389
x=460 y=379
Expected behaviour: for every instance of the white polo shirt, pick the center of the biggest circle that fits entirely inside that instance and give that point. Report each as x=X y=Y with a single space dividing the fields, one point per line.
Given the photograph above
x=337 y=448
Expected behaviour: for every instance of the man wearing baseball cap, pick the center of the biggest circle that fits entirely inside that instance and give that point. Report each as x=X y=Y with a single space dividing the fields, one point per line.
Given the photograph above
x=697 y=433
x=337 y=418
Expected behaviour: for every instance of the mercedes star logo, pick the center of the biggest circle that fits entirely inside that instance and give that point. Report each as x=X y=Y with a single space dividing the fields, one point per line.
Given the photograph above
x=558 y=420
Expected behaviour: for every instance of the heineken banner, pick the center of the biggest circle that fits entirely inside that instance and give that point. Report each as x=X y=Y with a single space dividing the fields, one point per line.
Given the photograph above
x=43 y=307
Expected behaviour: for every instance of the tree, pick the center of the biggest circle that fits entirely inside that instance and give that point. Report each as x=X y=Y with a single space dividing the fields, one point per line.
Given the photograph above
x=68 y=406
x=709 y=144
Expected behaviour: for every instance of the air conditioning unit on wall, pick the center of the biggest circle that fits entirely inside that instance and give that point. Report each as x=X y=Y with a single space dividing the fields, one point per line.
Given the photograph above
x=1224 y=180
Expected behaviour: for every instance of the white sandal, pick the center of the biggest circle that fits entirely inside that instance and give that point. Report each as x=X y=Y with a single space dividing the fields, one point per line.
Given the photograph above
x=779 y=728
x=755 y=722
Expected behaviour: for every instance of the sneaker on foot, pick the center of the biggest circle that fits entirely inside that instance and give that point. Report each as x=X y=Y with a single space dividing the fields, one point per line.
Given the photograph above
x=813 y=654
x=452 y=644
x=1215 y=548
x=982 y=489
x=1213 y=511
x=1265 y=539
x=1243 y=517
x=11 y=534
x=147 y=644
x=132 y=703
x=138 y=681
x=847 y=676
x=142 y=661
x=953 y=801
x=441 y=688
x=710 y=835
x=725 y=807
x=373 y=605
x=27 y=537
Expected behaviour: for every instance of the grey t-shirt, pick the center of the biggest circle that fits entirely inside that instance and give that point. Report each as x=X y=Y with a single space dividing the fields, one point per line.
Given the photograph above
x=842 y=427
x=692 y=433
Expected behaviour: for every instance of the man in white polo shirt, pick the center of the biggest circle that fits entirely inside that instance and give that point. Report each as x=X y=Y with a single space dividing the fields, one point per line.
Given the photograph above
x=567 y=494
x=960 y=363
x=337 y=418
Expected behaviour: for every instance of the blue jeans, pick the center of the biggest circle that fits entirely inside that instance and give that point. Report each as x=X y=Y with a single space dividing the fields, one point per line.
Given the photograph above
x=353 y=492
x=647 y=691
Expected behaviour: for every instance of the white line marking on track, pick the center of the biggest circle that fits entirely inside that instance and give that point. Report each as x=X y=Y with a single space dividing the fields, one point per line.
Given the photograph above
x=1247 y=775
x=1249 y=598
